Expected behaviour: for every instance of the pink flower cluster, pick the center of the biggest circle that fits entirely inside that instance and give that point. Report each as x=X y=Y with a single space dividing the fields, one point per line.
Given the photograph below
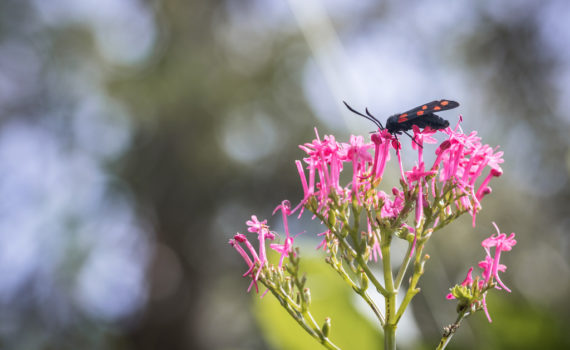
x=462 y=159
x=326 y=160
x=263 y=233
x=460 y=162
x=491 y=266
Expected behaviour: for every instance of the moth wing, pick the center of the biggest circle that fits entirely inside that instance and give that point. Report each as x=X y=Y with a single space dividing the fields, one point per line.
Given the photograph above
x=425 y=109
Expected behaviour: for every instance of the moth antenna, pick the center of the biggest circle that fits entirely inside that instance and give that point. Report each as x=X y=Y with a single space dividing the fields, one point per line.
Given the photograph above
x=369 y=117
x=374 y=118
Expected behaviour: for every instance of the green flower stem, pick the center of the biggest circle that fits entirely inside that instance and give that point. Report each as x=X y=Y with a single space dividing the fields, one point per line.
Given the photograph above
x=390 y=337
x=418 y=272
x=362 y=292
x=323 y=339
x=371 y=276
x=450 y=330
x=373 y=306
x=292 y=310
x=387 y=265
x=363 y=264
x=390 y=300
x=404 y=266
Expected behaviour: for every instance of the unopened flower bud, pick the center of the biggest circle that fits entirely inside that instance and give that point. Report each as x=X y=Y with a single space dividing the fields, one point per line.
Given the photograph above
x=444 y=145
x=332 y=218
x=307 y=296
x=326 y=327
x=376 y=138
x=496 y=172
x=334 y=248
x=367 y=252
x=287 y=285
x=363 y=281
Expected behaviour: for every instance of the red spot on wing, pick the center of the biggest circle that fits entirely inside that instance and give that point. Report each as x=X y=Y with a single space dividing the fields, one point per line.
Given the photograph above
x=436 y=108
x=402 y=118
x=420 y=113
x=444 y=103
x=424 y=107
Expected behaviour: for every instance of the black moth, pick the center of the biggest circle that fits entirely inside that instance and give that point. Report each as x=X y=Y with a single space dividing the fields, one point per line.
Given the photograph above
x=421 y=116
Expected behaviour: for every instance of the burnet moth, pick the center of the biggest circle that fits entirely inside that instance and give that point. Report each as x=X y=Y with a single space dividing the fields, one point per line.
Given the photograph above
x=421 y=116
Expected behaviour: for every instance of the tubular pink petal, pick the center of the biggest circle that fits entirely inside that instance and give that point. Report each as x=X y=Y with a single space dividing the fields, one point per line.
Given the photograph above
x=302 y=177
x=241 y=252
x=484 y=303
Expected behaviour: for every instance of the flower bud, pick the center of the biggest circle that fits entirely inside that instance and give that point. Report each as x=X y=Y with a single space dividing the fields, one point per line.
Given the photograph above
x=444 y=145
x=367 y=252
x=332 y=218
x=363 y=281
x=334 y=248
x=396 y=144
x=326 y=327
x=307 y=296
x=496 y=172
x=287 y=286
x=376 y=138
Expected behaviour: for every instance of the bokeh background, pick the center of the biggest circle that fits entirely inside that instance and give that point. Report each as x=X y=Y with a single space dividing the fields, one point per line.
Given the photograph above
x=137 y=136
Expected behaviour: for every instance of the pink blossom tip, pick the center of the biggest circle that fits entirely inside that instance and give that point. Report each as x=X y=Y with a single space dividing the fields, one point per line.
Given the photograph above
x=240 y=237
x=444 y=145
x=376 y=138
x=496 y=172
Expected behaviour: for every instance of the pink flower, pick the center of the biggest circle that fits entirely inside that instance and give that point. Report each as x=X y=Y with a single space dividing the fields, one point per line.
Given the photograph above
x=255 y=225
x=262 y=230
x=381 y=141
x=357 y=150
x=490 y=266
x=502 y=243
x=484 y=189
x=391 y=208
x=284 y=249
x=235 y=242
x=308 y=190
x=418 y=173
x=357 y=153
x=421 y=136
x=287 y=247
x=323 y=243
x=397 y=146
x=325 y=158
x=463 y=159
